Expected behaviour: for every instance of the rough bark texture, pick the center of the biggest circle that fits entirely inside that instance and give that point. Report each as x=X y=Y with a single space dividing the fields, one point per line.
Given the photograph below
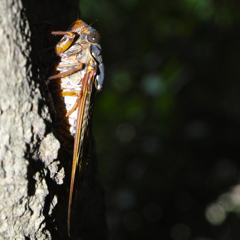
x=30 y=169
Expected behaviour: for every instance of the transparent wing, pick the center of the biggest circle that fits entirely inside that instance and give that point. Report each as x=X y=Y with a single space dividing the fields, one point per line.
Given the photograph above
x=79 y=163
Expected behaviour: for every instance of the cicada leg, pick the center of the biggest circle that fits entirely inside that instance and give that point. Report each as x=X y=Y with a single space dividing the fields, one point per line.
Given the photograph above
x=65 y=42
x=75 y=106
x=61 y=93
x=68 y=72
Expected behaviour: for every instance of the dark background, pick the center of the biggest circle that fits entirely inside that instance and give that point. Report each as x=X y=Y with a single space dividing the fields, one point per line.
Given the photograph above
x=167 y=122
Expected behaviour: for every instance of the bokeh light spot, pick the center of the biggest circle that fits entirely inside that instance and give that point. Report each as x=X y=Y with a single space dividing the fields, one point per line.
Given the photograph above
x=235 y=197
x=153 y=85
x=125 y=199
x=126 y=132
x=225 y=168
x=150 y=144
x=196 y=130
x=215 y=214
x=202 y=8
x=180 y=232
x=121 y=81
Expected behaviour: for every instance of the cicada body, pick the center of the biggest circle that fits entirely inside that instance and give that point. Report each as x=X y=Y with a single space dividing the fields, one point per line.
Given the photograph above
x=79 y=70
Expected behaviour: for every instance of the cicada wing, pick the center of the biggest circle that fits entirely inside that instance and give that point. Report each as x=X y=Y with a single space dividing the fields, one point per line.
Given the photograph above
x=79 y=158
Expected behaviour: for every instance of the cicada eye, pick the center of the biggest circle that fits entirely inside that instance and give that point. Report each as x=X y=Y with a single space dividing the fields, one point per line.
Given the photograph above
x=93 y=37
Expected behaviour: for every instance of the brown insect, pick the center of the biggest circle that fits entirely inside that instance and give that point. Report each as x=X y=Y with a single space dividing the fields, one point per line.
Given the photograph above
x=79 y=67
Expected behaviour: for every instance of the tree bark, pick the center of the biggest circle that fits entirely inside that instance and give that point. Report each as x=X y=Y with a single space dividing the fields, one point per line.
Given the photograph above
x=32 y=176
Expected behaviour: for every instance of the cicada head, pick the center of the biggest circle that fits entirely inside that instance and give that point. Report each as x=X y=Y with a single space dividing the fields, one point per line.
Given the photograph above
x=89 y=35
x=93 y=37
x=78 y=27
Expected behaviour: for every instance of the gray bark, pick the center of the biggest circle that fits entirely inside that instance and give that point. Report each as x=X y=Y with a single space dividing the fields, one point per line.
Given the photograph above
x=22 y=128
x=30 y=171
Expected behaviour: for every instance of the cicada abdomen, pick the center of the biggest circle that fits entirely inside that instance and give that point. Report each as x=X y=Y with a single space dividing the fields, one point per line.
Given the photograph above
x=79 y=69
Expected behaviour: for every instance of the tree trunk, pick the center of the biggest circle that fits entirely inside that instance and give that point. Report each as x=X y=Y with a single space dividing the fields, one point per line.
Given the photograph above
x=33 y=189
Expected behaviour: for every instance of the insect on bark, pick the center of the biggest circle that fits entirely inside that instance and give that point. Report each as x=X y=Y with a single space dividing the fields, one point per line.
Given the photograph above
x=80 y=68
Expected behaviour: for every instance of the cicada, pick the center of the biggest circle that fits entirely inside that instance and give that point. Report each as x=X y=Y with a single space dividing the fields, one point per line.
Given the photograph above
x=79 y=70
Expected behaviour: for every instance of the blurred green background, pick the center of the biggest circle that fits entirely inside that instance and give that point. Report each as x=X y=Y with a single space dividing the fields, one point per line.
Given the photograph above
x=167 y=122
